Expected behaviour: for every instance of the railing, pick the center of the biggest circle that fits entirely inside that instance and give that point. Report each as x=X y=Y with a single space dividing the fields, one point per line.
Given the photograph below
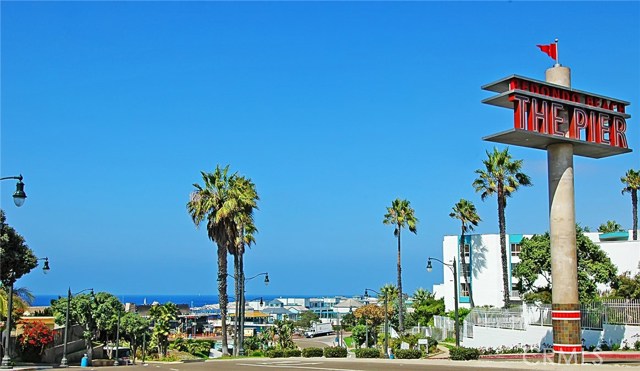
x=443 y=327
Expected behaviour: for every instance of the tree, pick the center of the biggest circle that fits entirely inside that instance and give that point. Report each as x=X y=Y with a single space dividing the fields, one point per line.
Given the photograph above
x=400 y=215
x=465 y=212
x=82 y=309
x=594 y=267
x=161 y=315
x=626 y=286
x=501 y=176
x=425 y=306
x=609 y=227
x=134 y=328
x=17 y=258
x=284 y=330
x=306 y=319
x=215 y=202
x=631 y=182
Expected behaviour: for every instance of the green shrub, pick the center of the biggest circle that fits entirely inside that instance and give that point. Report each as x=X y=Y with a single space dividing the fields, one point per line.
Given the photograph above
x=335 y=352
x=292 y=353
x=463 y=354
x=274 y=353
x=367 y=353
x=408 y=354
x=256 y=353
x=312 y=352
x=636 y=345
x=615 y=347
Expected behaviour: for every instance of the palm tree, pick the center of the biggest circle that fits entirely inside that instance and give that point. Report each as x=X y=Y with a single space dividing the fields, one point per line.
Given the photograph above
x=246 y=198
x=609 y=227
x=420 y=296
x=465 y=212
x=215 y=202
x=400 y=215
x=501 y=176
x=631 y=181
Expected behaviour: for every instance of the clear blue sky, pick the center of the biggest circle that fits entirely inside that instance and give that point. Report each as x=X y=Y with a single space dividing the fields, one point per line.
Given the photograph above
x=111 y=110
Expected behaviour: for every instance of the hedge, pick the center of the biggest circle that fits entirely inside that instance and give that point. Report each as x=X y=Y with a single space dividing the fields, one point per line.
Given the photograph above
x=367 y=353
x=312 y=352
x=292 y=353
x=463 y=354
x=274 y=353
x=408 y=354
x=335 y=352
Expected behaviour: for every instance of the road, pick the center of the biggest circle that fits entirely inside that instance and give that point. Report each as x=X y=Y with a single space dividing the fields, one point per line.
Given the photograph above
x=322 y=364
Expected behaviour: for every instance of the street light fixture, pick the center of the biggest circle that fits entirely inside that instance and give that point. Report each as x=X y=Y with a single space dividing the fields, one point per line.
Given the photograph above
x=6 y=359
x=63 y=362
x=18 y=196
x=242 y=303
x=454 y=269
x=386 y=323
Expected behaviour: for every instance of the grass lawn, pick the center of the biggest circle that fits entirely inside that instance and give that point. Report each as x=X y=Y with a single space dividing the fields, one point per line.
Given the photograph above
x=348 y=341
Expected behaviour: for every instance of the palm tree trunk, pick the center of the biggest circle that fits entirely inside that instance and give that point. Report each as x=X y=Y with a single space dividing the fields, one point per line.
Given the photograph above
x=236 y=322
x=222 y=293
x=241 y=297
x=634 y=202
x=503 y=247
x=400 y=298
x=465 y=272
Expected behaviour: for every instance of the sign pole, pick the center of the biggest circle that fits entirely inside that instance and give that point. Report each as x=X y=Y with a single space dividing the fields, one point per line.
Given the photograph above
x=567 y=343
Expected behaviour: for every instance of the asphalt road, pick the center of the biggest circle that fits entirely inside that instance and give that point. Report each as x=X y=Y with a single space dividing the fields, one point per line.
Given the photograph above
x=322 y=364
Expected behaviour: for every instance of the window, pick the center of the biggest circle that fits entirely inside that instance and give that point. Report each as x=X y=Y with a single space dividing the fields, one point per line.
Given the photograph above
x=467 y=250
x=515 y=249
x=466 y=267
x=464 y=289
x=513 y=268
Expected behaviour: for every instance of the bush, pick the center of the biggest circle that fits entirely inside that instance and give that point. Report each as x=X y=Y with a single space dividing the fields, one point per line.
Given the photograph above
x=312 y=352
x=367 y=353
x=463 y=354
x=292 y=353
x=335 y=352
x=636 y=345
x=256 y=353
x=408 y=354
x=274 y=353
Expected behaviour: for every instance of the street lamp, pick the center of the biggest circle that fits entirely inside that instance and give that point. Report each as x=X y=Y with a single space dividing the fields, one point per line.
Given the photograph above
x=6 y=359
x=63 y=362
x=454 y=269
x=241 y=320
x=386 y=324
x=18 y=196
x=116 y=363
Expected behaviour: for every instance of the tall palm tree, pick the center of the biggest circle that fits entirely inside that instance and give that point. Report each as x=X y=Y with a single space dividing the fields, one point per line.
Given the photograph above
x=214 y=202
x=501 y=176
x=400 y=215
x=465 y=212
x=246 y=198
x=631 y=181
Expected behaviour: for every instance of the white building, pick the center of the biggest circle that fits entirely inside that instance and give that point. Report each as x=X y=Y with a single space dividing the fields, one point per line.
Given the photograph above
x=482 y=252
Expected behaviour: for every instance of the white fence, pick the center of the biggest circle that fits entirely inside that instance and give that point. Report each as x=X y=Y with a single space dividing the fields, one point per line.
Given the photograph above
x=443 y=327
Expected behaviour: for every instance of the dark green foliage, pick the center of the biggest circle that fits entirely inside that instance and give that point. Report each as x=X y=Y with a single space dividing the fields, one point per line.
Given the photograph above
x=636 y=345
x=348 y=321
x=408 y=354
x=292 y=353
x=256 y=353
x=463 y=354
x=594 y=266
x=17 y=258
x=199 y=348
x=306 y=318
x=312 y=352
x=367 y=353
x=335 y=352
x=274 y=353
x=252 y=343
x=359 y=334
x=627 y=287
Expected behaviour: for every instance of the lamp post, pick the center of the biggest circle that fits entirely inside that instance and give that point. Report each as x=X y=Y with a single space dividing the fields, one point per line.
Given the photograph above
x=6 y=359
x=18 y=196
x=116 y=363
x=454 y=269
x=386 y=323
x=241 y=332
x=63 y=362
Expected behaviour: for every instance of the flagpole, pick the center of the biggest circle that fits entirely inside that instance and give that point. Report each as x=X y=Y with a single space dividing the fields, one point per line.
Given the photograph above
x=557 y=55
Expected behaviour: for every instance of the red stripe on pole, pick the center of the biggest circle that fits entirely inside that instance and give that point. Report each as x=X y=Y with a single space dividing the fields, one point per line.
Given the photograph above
x=567 y=348
x=565 y=314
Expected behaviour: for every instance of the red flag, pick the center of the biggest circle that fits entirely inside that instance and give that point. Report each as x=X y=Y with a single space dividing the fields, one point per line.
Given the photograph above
x=550 y=50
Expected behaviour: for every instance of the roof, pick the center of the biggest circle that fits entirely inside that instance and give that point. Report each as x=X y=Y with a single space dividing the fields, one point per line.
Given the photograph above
x=275 y=310
x=349 y=303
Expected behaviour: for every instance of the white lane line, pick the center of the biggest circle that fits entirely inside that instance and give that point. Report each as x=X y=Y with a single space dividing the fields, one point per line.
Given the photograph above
x=293 y=366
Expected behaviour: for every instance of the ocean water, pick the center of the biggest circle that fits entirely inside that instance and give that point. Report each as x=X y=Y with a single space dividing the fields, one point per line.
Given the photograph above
x=195 y=300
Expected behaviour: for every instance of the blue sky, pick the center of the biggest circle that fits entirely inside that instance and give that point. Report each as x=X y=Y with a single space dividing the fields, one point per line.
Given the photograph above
x=111 y=110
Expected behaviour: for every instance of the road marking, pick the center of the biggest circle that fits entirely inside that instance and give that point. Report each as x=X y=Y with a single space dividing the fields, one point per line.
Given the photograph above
x=279 y=364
